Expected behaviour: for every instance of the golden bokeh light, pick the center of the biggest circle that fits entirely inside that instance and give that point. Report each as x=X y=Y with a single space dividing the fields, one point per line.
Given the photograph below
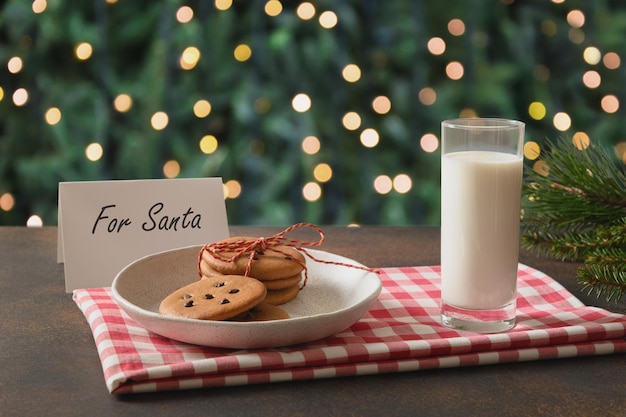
x=189 y=58
x=53 y=116
x=562 y=121
x=537 y=110
x=322 y=172
x=233 y=189
x=328 y=19
x=171 y=169
x=39 y=6
x=242 y=52
x=83 y=51
x=467 y=113
x=351 y=120
x=369 y=138
x=351 y=73
x=305 y=11
x=208 y=144
x=581 y=140
x=620 y=151
x=159 y=120
x=94 y=151
x=201 y=108
x=20 y=97
x=436 y=46
x=383 y=184
x=223 y=4
x=402 y=183
x=273 y=8
x=311 y=191
x=1 y=94
x=609 y=103
x=7 y=202
x=592 y=55
x=311 y=145
x=15 y=64
x=381 y=105
x=429 y=142
x=455 y=70
x=301 y=103
x=122 y=103
x=184 y=14
x=456 y=27
x=532 y=150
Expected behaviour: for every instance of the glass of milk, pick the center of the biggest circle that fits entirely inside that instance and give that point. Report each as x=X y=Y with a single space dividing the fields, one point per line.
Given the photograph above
x=481 y=187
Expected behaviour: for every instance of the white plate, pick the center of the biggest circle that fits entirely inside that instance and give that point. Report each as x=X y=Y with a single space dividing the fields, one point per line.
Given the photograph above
x=335 y=297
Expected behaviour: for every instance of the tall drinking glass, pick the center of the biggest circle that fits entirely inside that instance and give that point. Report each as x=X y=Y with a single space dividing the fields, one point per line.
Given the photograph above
x=481 y=187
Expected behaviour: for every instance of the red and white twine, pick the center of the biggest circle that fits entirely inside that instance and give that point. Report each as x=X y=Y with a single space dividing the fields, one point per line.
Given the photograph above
x=249 y=247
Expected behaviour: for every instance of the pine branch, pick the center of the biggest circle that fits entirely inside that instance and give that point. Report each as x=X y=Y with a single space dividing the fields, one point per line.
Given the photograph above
x=577 y=211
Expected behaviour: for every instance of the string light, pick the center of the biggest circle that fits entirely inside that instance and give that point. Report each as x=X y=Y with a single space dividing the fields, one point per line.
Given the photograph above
x=562 y=121
x=202 y=108
x=20 y=97
x=301 y=102
x=576 y=19
x=592 y=79
x=233 y=189
x=455 y=70
x=311 y=145
x=305 y=11
x=537 y=110
x=7 y=202
x=189 y=58
x=322 y=172
x=15 y=64
x=39 y=6
x=83 y=51
x=592 y=55
x=184 y=14
x=383 y=184
x=311 y=191
x=122 y=103
x=581 y=140
x=351 y=73
x=402 y=183
x=52 y=116
x=429 y=142
x=328 y=20
x=532 y=150
x=381 y=105
x=94 y=152
x=436 y=46
x=242 y=52
x=208 y=144
x=611 y=60
x=369 y=138
x=273 y=8
x=351 y=121
x=171 y=169
x=159 y=120
x=609 y=103
x=427 y=96
x=456 y=27
x=223 y=4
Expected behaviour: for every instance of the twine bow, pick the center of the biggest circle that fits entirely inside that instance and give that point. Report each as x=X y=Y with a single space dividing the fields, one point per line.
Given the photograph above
x=249 y=248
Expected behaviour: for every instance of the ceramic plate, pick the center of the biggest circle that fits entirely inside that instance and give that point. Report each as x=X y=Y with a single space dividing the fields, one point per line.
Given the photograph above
x=335 y=297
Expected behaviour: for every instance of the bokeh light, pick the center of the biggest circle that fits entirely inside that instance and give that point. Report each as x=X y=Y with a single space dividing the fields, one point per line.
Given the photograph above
x=223 y=4
x=34 y=221
x=208 y=144
x=369 y=138
x=83 y=51
x=581 y=140
x=311 y=191
x=159 y=120
x=576 y=19
x=455 y=70
x=15 y=64
x=122 y=103
x=537 y=110
x=351 y=73
x=39 y=6
x=427 y=96
x=171 y=169
x=184 y=14
x=436 y=46
x=273 y=8
x=381 y=105
x=609 y=103
x=189 y=58
x=592 y=79
x=383 y=184
x=402 y=183
x=456 y=27
x=301 y=102
x=592 y=55
x=305 y=11
x=94 y=151
x=20 y=97
x=233 y=189
x=351 y=120
x=201 y=108
x=242 y=52
x=562 y=121
x=328 y=19
x=311 y=145
x=429 y=142
x=7 y=202
x=532 y=150
x=611 y=60
x=322 y=172
x=53 y=116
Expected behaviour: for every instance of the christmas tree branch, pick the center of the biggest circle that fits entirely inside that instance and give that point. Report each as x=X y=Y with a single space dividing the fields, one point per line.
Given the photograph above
x=576 y=210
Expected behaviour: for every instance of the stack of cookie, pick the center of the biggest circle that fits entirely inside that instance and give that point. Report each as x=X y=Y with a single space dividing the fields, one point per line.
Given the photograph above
x=279 y=268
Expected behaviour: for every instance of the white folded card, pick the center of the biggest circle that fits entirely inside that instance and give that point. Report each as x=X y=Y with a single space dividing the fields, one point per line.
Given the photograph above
x=105 y=225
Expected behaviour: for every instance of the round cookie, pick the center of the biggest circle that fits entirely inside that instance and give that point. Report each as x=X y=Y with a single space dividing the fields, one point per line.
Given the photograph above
x=263 y=312
x=214 y=298
x=276 y=263
x=278 y=297
x=279 y=284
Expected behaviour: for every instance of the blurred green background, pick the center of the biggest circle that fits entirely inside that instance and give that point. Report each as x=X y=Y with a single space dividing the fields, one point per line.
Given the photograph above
x=321 y=111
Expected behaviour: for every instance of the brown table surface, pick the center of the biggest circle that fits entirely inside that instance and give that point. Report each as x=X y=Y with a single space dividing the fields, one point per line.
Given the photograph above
x=49 y=364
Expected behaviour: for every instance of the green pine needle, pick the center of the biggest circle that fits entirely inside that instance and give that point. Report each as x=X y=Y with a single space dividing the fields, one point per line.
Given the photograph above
x=577 y=211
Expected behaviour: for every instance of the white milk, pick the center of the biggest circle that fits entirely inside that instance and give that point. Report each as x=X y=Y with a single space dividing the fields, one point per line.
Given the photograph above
x=480 y=215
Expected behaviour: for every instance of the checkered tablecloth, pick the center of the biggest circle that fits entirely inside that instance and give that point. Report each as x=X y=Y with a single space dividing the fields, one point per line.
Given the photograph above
x=401 y=332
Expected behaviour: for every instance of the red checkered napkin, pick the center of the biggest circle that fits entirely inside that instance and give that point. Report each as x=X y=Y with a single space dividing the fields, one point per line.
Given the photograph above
x=401 y=332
